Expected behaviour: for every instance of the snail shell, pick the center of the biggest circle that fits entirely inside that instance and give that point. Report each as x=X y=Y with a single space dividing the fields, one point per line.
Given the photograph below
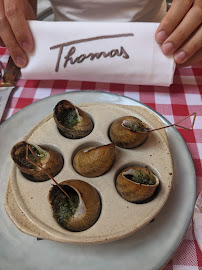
x=94 y=161
x=83 y=210
x=133 y=191
x=71 y=121
x=125 y=132
x=51 y=161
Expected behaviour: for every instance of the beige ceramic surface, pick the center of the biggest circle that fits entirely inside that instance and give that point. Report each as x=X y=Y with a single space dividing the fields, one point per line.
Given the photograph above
x=27 y=204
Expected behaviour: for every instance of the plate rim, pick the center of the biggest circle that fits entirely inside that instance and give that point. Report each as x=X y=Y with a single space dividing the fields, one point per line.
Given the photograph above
x=192 y=201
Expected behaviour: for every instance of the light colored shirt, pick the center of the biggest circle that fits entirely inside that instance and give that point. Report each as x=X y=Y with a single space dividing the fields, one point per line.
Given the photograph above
x=109 y=10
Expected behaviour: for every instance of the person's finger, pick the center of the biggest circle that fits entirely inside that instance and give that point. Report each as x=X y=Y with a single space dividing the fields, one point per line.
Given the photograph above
x=30 y=10
x=188 y=25
x=14 y=11
x=9 y=40
x=193 y=44
x=2 y=43
x=16 y=52
x=176 y=13
x=196 y=58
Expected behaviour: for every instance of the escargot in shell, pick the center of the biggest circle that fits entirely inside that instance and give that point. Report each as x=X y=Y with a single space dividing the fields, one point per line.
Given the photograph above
x=136 y=184
x=71 y=121
x=78 y=212
x=94 y=161
x=50 y=160
x=128 y=132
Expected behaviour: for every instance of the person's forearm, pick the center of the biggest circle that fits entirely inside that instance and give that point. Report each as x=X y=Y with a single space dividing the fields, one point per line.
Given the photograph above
x=33 y=3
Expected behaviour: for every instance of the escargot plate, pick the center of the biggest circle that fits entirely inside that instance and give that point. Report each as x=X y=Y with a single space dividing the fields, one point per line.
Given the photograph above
x=27 y=202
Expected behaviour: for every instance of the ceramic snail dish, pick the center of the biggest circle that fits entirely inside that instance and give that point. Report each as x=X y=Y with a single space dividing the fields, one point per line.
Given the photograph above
x=105 y=187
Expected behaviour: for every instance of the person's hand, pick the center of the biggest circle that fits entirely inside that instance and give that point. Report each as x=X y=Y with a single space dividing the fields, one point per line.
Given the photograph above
x=180 y=32
x=14 y=30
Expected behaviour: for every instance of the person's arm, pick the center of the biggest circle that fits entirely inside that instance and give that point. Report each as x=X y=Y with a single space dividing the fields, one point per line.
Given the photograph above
x=180 y=32
x=14 y=29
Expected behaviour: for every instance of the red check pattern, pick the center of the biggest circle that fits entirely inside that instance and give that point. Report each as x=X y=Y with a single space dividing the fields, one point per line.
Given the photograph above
x=175 y=102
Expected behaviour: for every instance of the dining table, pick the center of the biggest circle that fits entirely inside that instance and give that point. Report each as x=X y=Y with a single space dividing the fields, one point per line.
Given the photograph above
x=182 y=98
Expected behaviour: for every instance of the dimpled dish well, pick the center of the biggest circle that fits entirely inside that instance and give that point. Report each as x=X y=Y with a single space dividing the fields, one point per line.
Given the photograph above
x=27 y=202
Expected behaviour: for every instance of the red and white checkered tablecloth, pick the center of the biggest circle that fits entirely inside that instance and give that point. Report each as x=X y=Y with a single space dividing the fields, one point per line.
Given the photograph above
x=182 y=98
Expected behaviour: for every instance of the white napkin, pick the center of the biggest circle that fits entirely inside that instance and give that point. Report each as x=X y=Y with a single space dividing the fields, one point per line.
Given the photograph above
x=98 y=51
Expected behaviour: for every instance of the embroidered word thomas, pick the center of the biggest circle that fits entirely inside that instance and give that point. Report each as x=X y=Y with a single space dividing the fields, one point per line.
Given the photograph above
x=72 y=59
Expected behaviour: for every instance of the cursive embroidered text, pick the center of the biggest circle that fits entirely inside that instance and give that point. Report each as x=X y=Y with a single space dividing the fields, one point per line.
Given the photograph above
x=72 y=59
